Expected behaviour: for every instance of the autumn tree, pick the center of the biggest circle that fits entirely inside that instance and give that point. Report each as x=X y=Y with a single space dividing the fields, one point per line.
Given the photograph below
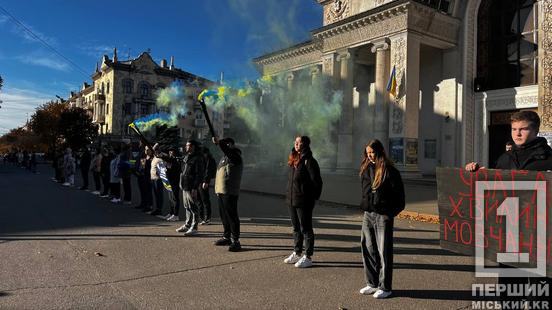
x=76 y=128
x=45 y=123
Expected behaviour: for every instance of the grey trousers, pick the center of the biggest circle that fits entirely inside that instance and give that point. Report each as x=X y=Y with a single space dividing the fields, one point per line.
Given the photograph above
x=377 y=249
x=190 y=204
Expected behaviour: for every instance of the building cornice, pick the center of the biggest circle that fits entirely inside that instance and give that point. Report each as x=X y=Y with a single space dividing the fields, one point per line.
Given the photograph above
x=434 y=27
x=290 y=52
x=372 y=16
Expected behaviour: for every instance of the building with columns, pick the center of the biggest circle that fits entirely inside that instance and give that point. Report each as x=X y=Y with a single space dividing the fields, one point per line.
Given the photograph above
x=462 y=68
x=125 y=90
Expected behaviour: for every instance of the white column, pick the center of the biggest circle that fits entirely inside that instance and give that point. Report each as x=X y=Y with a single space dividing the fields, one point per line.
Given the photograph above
x=345 y=129
x=381 y=118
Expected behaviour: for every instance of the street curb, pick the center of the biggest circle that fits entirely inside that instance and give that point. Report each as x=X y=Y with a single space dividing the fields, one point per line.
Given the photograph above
x=407 y=215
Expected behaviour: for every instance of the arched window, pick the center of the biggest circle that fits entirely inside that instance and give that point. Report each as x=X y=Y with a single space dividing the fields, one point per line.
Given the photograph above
x=127 y=86
x=507 y=46
x=144 y=89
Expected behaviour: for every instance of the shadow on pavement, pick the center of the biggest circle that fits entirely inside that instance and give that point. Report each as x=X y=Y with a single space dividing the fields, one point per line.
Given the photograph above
x=3 y=294
x=448 y=267
x=439 y=294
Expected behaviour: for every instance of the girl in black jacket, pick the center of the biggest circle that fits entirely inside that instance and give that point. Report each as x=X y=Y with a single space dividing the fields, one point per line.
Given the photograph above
x=382 y=200
x=303 y=189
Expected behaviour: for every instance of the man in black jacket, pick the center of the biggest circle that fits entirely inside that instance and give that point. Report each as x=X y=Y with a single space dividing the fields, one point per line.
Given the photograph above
x=530 y=152
x=190 y=178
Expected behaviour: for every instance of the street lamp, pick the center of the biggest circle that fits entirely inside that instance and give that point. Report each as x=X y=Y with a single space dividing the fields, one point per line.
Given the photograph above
x=60 y=99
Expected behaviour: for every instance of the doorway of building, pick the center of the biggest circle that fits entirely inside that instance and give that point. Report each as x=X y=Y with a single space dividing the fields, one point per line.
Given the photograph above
x=500 y=134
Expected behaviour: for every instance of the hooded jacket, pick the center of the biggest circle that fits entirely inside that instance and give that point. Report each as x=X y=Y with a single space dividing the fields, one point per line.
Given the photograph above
x=533 y=155
x=304 y=182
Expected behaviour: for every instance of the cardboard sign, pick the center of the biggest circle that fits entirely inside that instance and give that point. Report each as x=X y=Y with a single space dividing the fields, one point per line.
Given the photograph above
x=461 y=206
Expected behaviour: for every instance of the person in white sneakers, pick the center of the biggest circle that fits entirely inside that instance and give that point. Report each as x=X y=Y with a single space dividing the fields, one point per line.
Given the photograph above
x=190 y=177
x=382 y=200
x=303 y=189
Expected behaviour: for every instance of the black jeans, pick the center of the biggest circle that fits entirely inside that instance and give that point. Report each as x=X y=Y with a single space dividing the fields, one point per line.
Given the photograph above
x=106 y=184
x=228 y=208
x=157 y=186
x=127 y=188
x=205 y=204
x=174 y=197
x=115 y=190
x=84 y=173
x=377 y=249
x=97 y=182
x=146 y=196
x=301 y=220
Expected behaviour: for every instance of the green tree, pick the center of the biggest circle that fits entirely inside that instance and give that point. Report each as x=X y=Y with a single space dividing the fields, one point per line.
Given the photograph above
x=76 y=128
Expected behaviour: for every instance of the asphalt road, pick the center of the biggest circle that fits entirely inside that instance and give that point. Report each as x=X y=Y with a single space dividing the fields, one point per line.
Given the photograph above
x=62 y=248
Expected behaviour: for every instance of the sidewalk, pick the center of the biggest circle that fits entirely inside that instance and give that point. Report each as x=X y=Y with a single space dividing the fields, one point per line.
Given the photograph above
x=344 y=190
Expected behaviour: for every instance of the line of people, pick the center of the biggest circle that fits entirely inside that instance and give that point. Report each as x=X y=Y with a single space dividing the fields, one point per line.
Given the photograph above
x=187 y=180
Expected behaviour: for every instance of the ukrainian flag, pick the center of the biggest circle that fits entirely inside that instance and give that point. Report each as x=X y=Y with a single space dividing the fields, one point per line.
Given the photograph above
x=392 y=84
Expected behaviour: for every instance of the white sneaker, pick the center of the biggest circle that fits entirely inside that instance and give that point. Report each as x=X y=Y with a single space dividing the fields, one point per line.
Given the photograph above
x=104 y=196
x=380 y=294
x=368 y=290
x=183 y=229
x=115 y=200
x=164 y=217
x=173 y=218
x=292 y=259
x=66 y=184
x=304 y=262
x=191 y=232
x=95 y=193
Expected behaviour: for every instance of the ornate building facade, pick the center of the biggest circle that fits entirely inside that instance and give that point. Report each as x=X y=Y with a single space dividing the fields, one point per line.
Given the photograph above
x=462 y=68
x=123 y=91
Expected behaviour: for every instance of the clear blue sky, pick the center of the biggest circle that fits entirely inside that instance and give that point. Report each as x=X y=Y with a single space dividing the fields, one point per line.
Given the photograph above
x=205 y=37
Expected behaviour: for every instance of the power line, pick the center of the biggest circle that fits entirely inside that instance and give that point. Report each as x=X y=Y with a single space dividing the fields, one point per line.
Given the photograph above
x=38 y=38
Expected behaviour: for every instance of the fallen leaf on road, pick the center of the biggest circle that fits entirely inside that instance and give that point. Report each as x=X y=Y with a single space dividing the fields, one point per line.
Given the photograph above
x=98 y=254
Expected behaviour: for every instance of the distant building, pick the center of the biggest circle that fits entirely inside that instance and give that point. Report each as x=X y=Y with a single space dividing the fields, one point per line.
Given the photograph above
x=123 y=91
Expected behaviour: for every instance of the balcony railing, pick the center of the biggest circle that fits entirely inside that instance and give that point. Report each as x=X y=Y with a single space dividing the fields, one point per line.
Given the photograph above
x=100 y=119
x=98 y=97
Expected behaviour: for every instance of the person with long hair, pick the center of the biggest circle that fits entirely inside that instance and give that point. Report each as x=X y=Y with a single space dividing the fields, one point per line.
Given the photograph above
x=382 y=200
x=303 y=189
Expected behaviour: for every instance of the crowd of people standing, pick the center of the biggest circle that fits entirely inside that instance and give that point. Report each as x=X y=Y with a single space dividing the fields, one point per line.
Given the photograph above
x=186 y=179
